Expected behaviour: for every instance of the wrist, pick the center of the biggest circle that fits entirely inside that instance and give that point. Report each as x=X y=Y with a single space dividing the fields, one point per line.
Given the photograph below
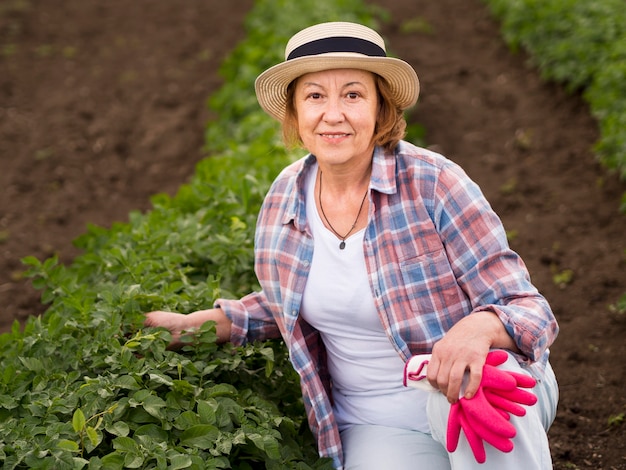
x=499 y=338
x=222 y=322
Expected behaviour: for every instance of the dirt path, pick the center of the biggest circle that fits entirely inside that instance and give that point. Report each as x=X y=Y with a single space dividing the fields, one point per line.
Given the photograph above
x=102 y=106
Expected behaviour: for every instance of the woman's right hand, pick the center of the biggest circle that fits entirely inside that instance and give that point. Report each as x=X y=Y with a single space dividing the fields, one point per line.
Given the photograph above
x=177 y=323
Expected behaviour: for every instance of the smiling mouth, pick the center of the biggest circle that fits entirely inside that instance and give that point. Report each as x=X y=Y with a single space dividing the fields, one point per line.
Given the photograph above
x=334 y=136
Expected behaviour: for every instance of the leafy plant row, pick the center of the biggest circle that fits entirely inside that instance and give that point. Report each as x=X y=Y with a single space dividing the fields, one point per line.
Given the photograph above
x=582 y=44
x=86 y=386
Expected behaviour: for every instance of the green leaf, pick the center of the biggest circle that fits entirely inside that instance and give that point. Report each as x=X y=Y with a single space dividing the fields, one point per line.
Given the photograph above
x=152 y=431
x=206 y=412
x=180 y=461
x=66 y=444
x=127 y=382
x=202 y=436
x=186 y=420
x=153 y=405
x=132 y=460
x=94 y=436
x=161 y=379
x=118 y=428
x=112 y=461
x=33 y=364
x=267 y=443
x=125 y=444
x=78 y=420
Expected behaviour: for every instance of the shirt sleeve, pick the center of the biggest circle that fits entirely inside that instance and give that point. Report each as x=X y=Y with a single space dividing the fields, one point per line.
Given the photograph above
x=251 y=318
x=493 y=276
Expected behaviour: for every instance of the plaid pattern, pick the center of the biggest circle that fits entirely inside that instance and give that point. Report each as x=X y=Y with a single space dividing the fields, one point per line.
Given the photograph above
x=435 y=252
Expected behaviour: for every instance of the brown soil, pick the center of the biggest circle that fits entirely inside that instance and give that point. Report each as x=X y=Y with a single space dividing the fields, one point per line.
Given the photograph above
x=102 y=104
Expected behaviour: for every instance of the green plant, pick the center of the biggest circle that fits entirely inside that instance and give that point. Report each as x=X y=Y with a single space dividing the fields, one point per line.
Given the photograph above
x=616 y=420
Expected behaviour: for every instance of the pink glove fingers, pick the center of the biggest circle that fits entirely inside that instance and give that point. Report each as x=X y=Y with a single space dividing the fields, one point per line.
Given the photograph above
x=522 y=397
x=501 y=443
x=523 y=380
x=479 y=410
x=497 y=378
x=496 y=357
x=502 y=413
x=474 y=440
x=503 y=404
x=475 y=433
x=453 y=431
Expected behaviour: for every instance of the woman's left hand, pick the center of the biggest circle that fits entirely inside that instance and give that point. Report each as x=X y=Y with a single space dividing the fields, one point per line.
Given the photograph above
x=464 y=349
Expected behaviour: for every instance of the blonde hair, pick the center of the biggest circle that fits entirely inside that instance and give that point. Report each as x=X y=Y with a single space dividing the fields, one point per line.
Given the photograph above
x=390 y=123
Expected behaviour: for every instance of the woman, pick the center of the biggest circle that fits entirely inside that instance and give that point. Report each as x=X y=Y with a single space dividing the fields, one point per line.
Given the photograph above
x=369 y=251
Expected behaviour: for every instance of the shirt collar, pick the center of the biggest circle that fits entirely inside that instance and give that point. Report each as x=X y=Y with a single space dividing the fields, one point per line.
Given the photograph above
x=383 y=177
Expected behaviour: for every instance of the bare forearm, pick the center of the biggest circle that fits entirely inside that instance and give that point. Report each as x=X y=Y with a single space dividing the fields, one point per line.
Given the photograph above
x=177 y=323
x=223 y=323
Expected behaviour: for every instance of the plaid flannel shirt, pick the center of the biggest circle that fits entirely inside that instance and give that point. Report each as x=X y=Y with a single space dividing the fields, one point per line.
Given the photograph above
x=435 y=252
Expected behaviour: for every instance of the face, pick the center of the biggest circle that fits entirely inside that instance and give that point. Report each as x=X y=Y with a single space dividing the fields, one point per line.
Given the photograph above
x=336 y=112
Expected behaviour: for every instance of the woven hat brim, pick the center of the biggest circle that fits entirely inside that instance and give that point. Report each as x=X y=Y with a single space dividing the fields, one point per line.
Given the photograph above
x=271 y=85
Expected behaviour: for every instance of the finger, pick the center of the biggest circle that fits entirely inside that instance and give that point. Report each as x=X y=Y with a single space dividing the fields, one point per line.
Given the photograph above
x=432 y=374
x=474 y=380
x=148 y=320
x=456 y=383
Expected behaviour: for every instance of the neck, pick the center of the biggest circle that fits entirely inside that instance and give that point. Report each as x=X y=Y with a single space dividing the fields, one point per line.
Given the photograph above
x=341 y=182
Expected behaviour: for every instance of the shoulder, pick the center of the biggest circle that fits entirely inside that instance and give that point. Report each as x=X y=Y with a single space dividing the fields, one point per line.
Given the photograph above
x=426 y=167
x=411 y=155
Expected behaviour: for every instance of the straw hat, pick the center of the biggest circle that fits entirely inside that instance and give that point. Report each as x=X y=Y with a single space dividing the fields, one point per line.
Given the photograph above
x=333 y=46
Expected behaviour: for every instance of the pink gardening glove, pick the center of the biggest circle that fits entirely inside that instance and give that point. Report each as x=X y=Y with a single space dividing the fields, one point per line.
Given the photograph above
x=485 y=417
x=480 y=421
x=506 y=398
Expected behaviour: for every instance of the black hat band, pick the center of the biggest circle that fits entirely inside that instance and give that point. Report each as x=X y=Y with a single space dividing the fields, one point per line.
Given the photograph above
x=337 y=44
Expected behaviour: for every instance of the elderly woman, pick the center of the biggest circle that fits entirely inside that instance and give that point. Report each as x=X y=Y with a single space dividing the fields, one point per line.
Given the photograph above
x=370 y=251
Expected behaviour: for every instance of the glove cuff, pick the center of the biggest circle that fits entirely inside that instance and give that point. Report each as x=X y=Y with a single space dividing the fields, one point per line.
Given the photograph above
x=415 y=373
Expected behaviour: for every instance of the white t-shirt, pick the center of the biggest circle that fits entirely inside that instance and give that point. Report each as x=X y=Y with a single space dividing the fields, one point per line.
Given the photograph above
x=365 y=368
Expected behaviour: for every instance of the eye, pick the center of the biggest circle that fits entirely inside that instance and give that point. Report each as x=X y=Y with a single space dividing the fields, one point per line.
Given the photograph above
x=353 y=95
x=314 y=96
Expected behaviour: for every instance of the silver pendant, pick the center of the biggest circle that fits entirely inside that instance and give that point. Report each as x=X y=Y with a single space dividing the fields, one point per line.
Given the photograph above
x=342 y=245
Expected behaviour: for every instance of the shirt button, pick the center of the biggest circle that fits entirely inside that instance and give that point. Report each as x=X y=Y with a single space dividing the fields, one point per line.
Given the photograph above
x=294 y=313
x=305 y=263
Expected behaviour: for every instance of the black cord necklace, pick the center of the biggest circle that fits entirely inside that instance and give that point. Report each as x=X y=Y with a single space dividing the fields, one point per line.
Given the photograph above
x=342 y=245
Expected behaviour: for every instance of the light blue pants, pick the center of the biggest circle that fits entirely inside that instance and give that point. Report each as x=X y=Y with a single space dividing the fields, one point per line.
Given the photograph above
x=370 y=447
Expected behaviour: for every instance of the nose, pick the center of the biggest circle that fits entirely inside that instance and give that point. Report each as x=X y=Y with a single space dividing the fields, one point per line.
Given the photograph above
x=333 y=112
